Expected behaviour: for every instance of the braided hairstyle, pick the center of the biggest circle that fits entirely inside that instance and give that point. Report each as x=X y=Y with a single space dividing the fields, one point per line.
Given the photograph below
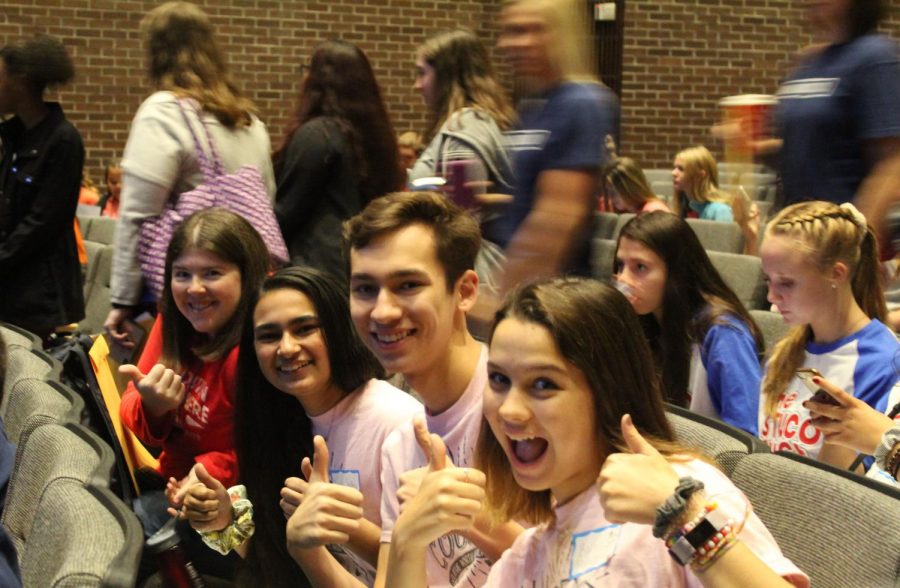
x=830 y=234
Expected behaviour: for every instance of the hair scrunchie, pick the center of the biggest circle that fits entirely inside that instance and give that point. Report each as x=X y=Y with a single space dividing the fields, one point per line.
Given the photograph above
x=859 y=218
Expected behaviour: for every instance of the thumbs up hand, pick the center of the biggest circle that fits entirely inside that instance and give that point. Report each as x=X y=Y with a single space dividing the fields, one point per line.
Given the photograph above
x=206 y=504
x=161 y=389
x=324 y=513
x=632 y=485
x=448 y=499
x=412 y=479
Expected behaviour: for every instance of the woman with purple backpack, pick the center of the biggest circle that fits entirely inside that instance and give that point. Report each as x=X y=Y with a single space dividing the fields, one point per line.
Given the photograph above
x=196 y=112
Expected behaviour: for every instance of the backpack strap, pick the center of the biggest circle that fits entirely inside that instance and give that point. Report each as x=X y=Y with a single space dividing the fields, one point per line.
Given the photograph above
x=210 y=169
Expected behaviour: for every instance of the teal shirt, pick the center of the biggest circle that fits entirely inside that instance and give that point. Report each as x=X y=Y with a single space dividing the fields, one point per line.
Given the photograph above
x=715 y=211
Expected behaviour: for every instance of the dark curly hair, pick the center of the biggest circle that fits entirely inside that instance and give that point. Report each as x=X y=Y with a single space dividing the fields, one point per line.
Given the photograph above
x=43 y=61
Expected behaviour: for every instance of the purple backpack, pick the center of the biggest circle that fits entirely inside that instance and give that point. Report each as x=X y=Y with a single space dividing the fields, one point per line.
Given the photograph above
x=242 y=192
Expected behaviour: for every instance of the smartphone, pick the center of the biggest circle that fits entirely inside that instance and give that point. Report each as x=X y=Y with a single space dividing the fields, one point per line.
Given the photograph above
x=819 y=395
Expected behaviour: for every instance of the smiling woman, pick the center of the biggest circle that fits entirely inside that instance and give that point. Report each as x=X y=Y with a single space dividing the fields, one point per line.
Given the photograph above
x=303 y=373
x=181 y=397
x=566 y=370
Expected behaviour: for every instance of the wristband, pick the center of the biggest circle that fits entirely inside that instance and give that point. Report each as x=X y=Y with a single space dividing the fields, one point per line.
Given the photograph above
x=241 y=527
x=701 y=537
x=671 y=509
x=890 y=438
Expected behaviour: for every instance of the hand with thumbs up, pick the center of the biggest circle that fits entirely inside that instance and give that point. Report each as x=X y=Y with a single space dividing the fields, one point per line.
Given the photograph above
x=448 y=499
x=328 y=513
x=632 y=485
x=206 y=503
x=161 y=389
x=412 y=479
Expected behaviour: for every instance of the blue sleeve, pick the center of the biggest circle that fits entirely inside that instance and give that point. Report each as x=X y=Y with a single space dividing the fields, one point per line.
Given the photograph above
x=874 y=376
x=583 y=119
x=733 y=373
x=719 y=211
x=877 y=89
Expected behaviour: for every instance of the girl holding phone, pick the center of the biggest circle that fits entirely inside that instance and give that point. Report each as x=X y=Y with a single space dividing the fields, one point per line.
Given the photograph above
x=820 y=260
x=705 y=345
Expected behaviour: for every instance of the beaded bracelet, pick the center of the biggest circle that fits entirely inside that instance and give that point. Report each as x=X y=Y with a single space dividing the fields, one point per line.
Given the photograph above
x=241 y=527
x=714 y=548
x=699 y=548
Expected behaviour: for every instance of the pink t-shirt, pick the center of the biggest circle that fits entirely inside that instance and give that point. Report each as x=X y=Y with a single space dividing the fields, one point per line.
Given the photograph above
x=452 y=560
x=355 y=429
x=582 y=548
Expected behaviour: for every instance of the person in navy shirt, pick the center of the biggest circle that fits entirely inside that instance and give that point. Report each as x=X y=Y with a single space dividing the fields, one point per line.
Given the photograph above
x=559 y=145
x=839 y=114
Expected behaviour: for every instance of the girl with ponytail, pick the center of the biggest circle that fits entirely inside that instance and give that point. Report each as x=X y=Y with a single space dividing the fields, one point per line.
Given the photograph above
x=821 y=264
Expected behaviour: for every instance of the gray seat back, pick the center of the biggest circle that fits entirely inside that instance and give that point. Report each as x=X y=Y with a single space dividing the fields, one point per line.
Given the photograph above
x=838 y=527
x=718 y=235
x=743 y=274
x=52 y=452
x=82 y=536
x=725 y=444
x=772 y=326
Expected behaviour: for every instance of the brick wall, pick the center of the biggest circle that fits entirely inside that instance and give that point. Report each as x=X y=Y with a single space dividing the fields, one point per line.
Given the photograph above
x=265 y=42
x=681 y=57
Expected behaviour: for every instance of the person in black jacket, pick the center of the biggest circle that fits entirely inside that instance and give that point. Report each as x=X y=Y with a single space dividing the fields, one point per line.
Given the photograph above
x=40 y=177
x=339 y=152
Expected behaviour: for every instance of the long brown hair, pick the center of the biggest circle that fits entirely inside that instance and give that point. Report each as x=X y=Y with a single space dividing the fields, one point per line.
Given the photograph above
x=695 y=297
x=596 y=331
x=464 y=77
x=232 y=239
x=185 y=58
x=830 y=234
x=342 y=86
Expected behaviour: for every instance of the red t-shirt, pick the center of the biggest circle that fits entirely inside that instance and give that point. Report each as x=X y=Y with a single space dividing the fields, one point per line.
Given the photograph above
x=202 y=429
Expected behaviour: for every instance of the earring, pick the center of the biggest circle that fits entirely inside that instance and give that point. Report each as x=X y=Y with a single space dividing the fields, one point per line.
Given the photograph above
x=834 y=285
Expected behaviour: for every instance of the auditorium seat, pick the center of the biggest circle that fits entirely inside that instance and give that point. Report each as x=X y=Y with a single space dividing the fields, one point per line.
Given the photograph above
x=743 y=274
x=727 y=445
x=838 y=527
x=717 y=235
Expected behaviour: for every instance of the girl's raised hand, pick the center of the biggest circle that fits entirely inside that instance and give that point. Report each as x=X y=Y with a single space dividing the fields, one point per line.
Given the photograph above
x=632 y=485
x=328 y=513
x=851 y=422
x=448 y=499
x=161 y=389
x=206 y=503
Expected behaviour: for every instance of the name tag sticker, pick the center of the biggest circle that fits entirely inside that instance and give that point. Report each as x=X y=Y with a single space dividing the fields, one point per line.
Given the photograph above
x=592 y=550
x=348 y=478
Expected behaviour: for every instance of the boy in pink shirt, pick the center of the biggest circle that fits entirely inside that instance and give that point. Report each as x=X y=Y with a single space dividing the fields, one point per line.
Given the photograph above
x=411 y=283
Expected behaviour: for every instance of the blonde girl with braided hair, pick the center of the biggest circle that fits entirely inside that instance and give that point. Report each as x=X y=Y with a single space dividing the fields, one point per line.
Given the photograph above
x=821 y=264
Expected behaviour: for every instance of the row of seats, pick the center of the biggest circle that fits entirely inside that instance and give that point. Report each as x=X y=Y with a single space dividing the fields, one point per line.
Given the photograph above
x=68 y=527
x=838 y=527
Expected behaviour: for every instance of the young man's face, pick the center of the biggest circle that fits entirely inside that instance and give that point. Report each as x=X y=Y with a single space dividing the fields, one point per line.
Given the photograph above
x=400 y=302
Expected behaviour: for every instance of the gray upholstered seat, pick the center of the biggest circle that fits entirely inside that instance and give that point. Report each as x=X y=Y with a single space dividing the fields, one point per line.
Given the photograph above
x=101 y=230
x=22 y=364
x=725 y=444
x=33 y=402
x=603 y=254
x=743 y=274
x=658 y=175
x=718 y=235
x=18 y=337
x=605 y=225
x=96 y=301
x=772 y=326
x=82 y=536
x=52 y=452
x=838 y=527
